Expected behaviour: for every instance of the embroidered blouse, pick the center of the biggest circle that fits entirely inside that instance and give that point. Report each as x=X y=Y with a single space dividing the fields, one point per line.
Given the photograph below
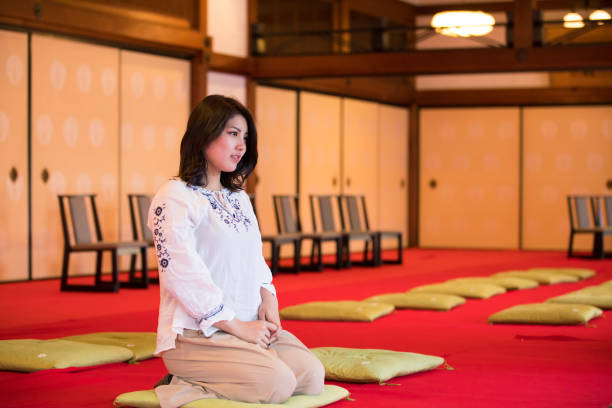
x=209 y=253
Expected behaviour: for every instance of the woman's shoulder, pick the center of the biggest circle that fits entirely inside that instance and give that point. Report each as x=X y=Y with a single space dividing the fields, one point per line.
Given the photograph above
x=175 y=188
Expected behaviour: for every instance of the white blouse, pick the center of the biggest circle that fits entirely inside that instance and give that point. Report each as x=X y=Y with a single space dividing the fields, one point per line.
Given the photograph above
x=209 y=252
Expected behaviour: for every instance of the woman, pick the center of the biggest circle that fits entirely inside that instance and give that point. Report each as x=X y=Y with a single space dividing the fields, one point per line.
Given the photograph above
x=219 y=332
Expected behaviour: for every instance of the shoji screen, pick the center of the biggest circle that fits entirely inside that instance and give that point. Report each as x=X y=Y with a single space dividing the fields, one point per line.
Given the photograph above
x=154 y=112
x=567 y=150
x=276 y=167
x=13 y=156
x=75 y=109
x=227 y=25
x=320 y=127
x=360 y=146
x=469 y=178
x=227 y=85
x=392 y=171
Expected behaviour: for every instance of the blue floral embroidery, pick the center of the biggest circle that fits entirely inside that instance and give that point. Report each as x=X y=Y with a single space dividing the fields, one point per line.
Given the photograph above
x=232 y=215
x=163 y=256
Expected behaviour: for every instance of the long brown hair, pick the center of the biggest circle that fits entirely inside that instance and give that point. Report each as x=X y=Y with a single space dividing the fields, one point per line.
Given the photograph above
x=206 y=122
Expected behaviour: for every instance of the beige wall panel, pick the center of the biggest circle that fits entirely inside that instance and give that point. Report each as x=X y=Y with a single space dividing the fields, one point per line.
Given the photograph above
x=473 y=156
x=75 y=109
x=392 y=172
x=154 y=112
x=13 y=154
x=320 y=117
x=228 y=25
x=276 y=166
x=360 y=153
x=567 y=150
x=227 y=85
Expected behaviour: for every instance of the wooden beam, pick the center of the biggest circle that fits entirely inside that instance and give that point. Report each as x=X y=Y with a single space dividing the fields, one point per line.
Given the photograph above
x=484 y=6
x=65 y=18
x=523 y=24
x=229 y=63
x=502 y=97
x=436 y=62
x=569 y=4
x=393 y=10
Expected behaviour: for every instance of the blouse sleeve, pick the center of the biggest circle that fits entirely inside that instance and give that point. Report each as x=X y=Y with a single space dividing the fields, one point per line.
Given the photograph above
x=173 y=216
x=262 y=267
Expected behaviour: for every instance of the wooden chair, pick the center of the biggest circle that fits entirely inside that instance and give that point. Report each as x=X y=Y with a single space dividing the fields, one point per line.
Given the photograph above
x=286 y=208
x=581 y=222
x=276 y=242
x=139 y=212
x=321 y=209
x=329 y=224
x=80 y=211
x=601 y=208
x=355 y=216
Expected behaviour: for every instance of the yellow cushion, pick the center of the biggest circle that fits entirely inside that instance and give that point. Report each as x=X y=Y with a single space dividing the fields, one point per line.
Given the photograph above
x=546 y=313
x=142 y=344
x=464 y=289
x=606 y=283
x=148 y=399
x=28 y=355
x=371 y=365
x=414 y=300
x=543 y=278
x=506 y=282
x=347 y=310
x=598 y=296
x=581 y=273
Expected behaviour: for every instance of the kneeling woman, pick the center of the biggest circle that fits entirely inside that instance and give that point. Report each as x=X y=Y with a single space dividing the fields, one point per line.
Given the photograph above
x=219 y=332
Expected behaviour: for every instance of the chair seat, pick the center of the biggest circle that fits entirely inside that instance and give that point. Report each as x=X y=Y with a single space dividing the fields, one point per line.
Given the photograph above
x=281 y=237
x=122 y=247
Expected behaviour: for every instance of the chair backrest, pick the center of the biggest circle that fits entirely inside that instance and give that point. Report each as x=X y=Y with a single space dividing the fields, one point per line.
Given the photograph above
x=77 y=214
x=601 y=207
x=354 y=213
x=139 y=210
x=325 y=214
x=286 y=209
x=579 y=212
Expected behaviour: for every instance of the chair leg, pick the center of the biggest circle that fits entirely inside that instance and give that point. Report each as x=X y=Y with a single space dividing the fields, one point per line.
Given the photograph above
x=571 y=245
x=275 y=256
x=132 y=273
x=64 y=281
x=115 y=269
x=598 y=247
x=346 y=252
x=338 y=253
x=145 y=268
x=98 y=268
x=297 y=253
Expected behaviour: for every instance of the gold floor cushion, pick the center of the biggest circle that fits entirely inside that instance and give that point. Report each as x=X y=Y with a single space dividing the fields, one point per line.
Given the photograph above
x=580 y=273
x=148 y=399
x=343 y=310
x=29 y=355
x=543 y=278
x=371 y=365
x=415 y=300
x=546 y=313
x=142 y=344
x=606 y=283
x=463 y=289
x=506 y=282
x=598 y=296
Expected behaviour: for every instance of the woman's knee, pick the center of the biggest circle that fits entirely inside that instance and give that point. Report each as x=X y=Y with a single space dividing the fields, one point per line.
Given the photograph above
x=275 y=384
x=312 y=380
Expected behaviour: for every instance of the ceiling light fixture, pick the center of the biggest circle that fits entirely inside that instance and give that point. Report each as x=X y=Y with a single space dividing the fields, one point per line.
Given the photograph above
x=463 y=23
x=599 y=16
x=573 y=20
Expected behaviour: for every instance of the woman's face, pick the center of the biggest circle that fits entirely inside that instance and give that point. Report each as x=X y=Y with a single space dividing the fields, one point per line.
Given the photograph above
x=224 y=153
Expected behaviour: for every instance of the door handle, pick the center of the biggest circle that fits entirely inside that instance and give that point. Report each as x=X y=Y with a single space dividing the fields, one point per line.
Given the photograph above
x=334 y=181
x=348 y=182
x=433 y=183
x=44 y=175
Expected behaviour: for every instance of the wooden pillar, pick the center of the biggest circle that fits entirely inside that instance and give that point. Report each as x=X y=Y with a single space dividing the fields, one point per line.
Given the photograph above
x=413 y=177
x=523 y=24
x=341 y=21
x=199 y=62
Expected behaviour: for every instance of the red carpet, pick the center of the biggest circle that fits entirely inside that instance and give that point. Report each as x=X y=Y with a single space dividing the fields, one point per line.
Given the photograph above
x=494 y=366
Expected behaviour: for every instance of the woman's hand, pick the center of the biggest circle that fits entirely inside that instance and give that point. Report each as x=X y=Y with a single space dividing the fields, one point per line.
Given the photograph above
x=256 y=332
x=268 y=311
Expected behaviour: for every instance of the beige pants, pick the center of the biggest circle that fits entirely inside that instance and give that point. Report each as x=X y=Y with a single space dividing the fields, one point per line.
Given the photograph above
x=224 y=366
